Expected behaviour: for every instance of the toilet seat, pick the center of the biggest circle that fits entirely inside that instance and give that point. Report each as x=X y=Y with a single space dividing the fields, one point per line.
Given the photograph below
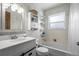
x=42 y=49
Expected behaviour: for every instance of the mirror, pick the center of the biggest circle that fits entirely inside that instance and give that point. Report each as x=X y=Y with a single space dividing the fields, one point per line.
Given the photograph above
x=13 y=16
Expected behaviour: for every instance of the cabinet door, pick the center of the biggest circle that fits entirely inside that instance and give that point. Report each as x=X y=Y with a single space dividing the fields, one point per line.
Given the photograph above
x=31 y=53
x=18 y=49
x=34 y=52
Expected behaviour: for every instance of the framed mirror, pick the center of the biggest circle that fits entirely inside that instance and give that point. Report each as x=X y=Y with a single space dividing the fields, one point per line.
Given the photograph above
x=13 y=17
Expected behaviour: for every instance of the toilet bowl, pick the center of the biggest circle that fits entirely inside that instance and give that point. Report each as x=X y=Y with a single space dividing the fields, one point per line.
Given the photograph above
x=42 y=51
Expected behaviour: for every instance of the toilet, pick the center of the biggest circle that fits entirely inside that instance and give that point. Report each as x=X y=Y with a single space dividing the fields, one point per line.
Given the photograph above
x=42 y=51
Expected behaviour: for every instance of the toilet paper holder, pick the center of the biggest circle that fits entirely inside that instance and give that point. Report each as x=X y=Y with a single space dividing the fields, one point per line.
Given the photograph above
x=77 y=43
x=55 y=40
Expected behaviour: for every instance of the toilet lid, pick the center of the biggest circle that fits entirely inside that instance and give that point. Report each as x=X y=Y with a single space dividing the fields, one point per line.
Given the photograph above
x=42 y=49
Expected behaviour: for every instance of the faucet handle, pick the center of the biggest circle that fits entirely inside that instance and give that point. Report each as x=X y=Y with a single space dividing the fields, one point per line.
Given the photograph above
x=14 y=36
x=24 y=35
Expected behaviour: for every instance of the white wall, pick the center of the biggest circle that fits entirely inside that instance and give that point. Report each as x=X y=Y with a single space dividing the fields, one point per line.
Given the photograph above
x=74 y=29
x=60 y=35
x=0 y=17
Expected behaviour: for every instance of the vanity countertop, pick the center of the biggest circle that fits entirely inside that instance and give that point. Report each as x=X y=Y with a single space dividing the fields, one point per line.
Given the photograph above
x=9 y=43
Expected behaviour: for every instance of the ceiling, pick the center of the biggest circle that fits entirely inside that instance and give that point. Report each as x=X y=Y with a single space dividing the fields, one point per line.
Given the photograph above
x=42 y=6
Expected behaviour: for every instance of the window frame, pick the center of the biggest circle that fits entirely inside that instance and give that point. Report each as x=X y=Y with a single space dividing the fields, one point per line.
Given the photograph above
x=57 y=21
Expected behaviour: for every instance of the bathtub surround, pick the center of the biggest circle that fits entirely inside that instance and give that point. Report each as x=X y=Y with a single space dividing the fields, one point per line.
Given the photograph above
x=67 y=39
x=60 y=35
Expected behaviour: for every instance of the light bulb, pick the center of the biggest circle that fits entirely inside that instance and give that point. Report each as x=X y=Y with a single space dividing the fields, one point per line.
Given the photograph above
x=14 y=7
x=20 y=10
x=6 y=5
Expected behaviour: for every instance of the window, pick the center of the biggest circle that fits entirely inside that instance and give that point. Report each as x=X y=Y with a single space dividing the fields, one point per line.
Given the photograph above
x=56 y=21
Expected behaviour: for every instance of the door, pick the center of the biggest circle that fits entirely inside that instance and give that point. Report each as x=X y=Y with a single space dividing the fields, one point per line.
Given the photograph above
x=7 y=20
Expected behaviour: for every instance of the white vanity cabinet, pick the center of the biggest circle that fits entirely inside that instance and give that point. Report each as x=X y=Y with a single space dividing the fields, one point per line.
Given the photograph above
x=23 y=49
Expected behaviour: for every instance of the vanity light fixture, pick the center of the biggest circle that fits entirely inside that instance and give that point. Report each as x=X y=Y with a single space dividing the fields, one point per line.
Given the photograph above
x=14 y=7
x=20 y=10
x=17 y=8
x=6 y=5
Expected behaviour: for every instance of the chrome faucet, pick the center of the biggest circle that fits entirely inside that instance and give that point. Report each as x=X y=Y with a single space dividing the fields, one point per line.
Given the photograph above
x=14 y=37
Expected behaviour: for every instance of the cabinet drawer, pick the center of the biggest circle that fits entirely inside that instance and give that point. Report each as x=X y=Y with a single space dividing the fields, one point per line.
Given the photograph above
x=31 y=53
x=18 y=49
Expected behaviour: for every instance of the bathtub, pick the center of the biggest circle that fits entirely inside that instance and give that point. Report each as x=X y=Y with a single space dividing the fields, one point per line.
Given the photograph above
x=56 y=52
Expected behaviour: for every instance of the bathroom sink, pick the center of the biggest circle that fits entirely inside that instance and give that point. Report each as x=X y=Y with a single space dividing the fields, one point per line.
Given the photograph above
x=18 y=39
x=12 y=42
x=21 y=39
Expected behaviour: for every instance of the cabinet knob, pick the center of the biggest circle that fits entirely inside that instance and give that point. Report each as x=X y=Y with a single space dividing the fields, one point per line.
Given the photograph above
x=77 y=43
x=22 y=54
x=30 y=54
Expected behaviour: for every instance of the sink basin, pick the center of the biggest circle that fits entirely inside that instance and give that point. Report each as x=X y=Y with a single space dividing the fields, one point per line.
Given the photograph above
x=18 y=39
x=12 y=42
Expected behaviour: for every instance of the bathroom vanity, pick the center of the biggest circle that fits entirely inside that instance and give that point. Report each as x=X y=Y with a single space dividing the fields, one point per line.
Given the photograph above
x=14 y=22
x=18 y=47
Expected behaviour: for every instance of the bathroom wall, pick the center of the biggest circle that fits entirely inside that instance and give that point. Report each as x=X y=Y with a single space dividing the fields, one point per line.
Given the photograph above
x=0 y=17
x=60 y=35
x=74 y=29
